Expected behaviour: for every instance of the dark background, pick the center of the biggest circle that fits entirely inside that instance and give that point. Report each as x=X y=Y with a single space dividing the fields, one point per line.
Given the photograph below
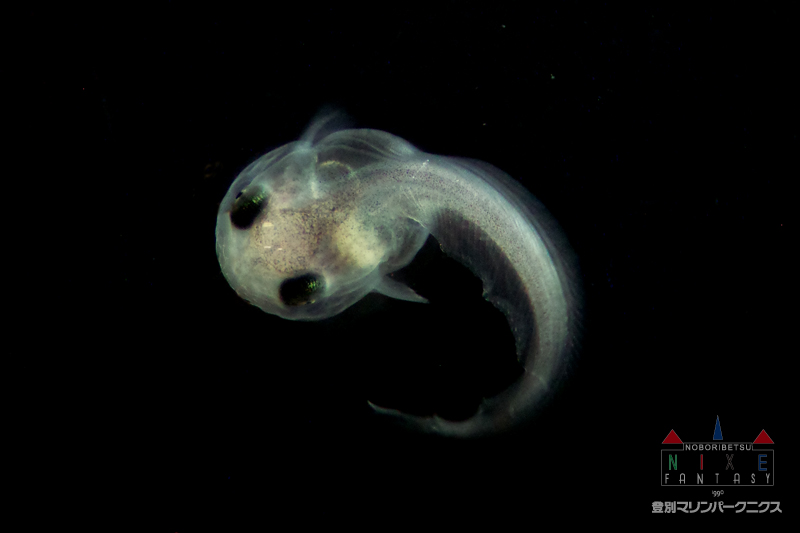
x=661 y=138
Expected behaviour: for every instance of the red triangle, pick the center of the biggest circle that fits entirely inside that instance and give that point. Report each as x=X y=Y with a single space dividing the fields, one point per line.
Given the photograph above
x=763 y=438
x=673 y=438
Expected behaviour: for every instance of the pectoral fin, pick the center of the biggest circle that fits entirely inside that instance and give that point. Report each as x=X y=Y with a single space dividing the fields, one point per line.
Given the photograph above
x=395 y=289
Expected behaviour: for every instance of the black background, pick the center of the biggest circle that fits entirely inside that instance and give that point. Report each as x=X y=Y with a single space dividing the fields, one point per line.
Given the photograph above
x=659 y=137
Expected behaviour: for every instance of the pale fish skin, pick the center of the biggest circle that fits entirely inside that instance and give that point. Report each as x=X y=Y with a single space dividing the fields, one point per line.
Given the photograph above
x=310 y=228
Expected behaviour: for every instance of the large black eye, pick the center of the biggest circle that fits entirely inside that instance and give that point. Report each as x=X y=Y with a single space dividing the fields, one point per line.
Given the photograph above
x=247 y=206
x=301 y=290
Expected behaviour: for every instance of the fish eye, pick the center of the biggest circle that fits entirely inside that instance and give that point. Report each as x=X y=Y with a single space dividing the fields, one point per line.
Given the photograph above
x=247 y=206
x=301 y=290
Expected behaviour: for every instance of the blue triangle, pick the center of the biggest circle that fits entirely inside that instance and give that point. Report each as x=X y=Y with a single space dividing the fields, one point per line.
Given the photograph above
x=717 y=431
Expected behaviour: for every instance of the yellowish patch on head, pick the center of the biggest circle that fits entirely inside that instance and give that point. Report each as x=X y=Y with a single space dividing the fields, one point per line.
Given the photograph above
x=333 y=170
x=335 y=164
x=359 y=244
